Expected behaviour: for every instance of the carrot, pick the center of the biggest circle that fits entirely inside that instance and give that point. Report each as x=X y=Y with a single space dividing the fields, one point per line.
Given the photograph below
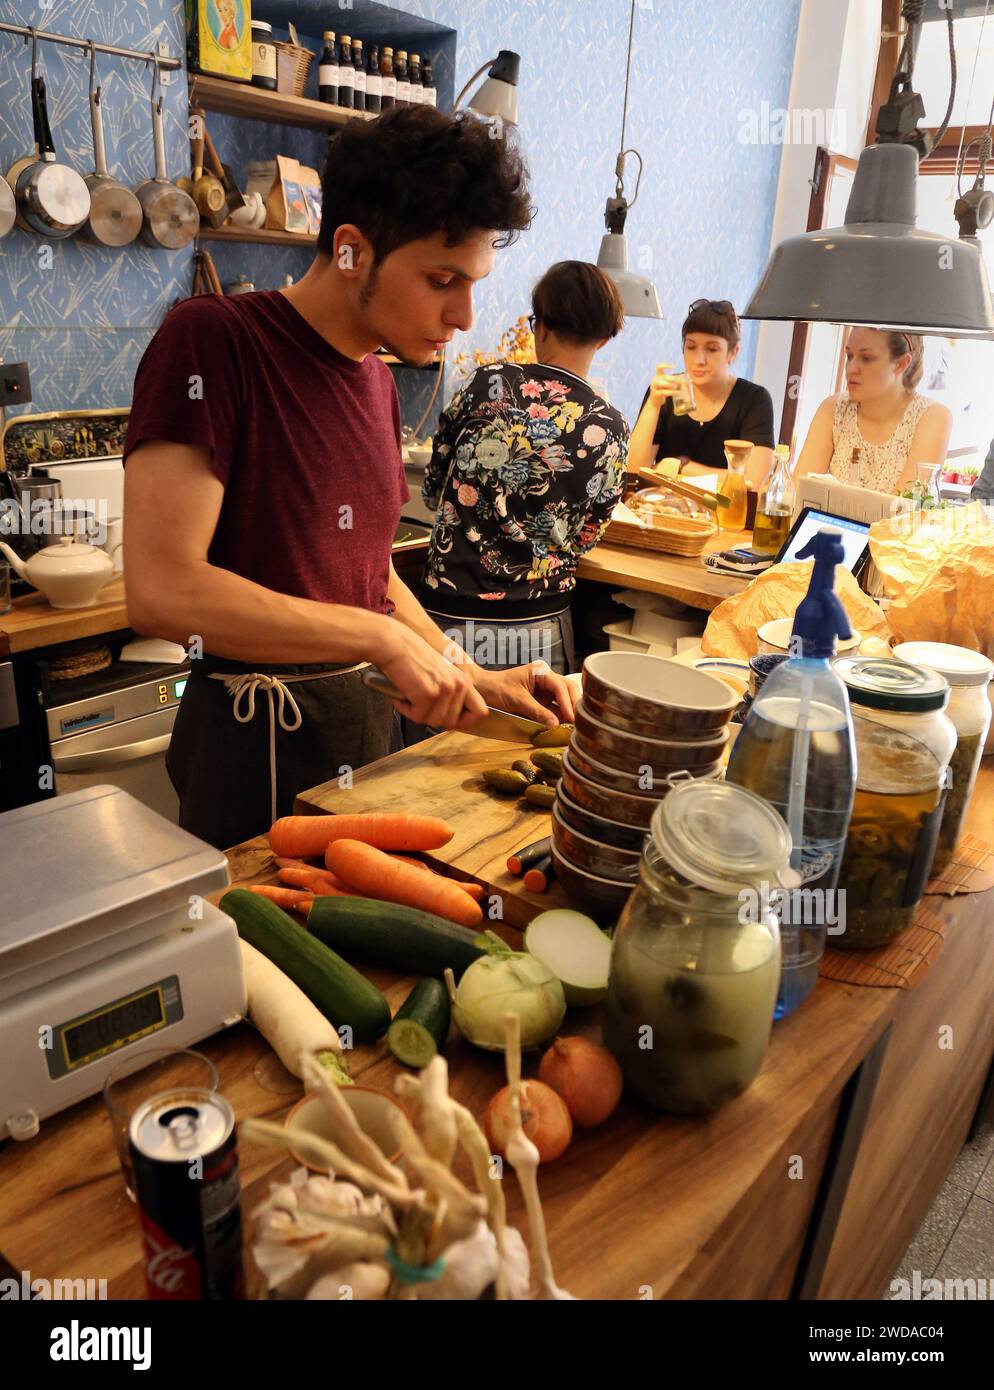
x=314 y=880
x=305 y=836
x=475 y=890
x=283 y=897
x=375 y=875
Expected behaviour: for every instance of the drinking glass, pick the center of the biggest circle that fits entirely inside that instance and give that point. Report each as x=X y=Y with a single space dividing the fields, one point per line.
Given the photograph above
x=137 y=1078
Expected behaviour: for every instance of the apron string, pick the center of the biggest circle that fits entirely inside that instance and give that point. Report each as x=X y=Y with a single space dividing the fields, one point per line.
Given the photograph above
x=242 y=687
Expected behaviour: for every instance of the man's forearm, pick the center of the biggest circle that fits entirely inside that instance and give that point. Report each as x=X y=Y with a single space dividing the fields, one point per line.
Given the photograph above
x=244 y=621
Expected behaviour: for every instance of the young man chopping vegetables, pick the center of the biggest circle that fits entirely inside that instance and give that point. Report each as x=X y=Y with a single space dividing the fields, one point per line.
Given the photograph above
x=264 y=482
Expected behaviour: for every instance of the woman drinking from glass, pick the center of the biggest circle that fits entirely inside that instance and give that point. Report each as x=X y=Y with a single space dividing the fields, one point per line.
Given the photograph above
x=725 y=406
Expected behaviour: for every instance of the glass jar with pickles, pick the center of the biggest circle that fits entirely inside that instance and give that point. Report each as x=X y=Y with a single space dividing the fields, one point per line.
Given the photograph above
x=969 y=710
x=695 y=964
x=904 y=742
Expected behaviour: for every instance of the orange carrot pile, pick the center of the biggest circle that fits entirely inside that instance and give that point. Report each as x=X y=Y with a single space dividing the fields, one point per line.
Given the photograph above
x=305 y=837
x=284 y=897
x=374 y=874
x=314 y=880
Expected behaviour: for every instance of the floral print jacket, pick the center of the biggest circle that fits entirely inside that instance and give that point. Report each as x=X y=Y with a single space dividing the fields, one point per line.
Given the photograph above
x=527 y=466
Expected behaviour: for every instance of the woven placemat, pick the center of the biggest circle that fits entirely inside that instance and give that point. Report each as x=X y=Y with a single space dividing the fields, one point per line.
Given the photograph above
x=903 y=962
x=970 y=871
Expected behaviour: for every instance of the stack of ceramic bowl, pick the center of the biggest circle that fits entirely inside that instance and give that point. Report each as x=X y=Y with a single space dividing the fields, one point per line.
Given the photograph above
x=641 y=720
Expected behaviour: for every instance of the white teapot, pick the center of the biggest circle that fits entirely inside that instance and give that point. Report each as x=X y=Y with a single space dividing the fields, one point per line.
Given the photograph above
x=70 y=573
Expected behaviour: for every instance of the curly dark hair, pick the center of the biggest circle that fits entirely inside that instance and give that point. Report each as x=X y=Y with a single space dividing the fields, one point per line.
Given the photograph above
x=415 y=171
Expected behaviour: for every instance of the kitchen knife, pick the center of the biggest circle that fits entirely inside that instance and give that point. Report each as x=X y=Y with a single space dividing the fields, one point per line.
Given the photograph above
x=496 y=723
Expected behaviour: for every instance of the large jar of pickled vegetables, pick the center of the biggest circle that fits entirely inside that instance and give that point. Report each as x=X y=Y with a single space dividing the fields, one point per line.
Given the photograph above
x=969 y=710
x=695 y=964
x=903 y=745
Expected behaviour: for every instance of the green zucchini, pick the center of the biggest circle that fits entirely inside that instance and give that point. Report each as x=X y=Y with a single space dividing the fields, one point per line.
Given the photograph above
x=391 y=935
x=343 y=995
x=421 y=1024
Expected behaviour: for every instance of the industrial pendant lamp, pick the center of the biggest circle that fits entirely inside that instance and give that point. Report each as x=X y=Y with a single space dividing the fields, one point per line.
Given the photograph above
x=639 y=297
x=879 y=269
x=498 y=94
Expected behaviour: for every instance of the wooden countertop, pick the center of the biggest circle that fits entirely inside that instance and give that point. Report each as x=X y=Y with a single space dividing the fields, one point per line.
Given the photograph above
x=686 y=579
x=681 y=1207
x=32 y=621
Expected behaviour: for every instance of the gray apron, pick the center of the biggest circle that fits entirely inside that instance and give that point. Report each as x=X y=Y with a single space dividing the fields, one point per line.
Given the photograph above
x=250 y=738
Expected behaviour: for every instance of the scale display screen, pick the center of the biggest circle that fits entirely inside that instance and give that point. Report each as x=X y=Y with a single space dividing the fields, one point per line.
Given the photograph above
x=90 y=1036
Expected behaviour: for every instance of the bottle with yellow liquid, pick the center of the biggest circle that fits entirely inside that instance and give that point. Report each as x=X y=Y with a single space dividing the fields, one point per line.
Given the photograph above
x=733 y=485
x=775 y=506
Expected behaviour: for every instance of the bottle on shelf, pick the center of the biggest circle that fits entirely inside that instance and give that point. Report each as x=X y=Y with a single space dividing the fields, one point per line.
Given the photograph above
x=374 y=82
x=328 y=70
x=776 y=504
x=359 y=66
x=346 y=73
x=388 y=79
x=414 y=76
x=403 y=78
x=430 y=96
x=797 y=750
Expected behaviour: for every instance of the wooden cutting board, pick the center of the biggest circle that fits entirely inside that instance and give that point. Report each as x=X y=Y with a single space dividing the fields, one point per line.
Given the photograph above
x=443 y=777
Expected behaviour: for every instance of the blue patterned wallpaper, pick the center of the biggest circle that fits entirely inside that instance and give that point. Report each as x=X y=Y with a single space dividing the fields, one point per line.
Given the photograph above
x=701 y=224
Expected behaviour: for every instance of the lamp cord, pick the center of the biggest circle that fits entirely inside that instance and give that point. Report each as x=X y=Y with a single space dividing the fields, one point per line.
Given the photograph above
x=961 y=153
x=937 y=140
x=619 y=163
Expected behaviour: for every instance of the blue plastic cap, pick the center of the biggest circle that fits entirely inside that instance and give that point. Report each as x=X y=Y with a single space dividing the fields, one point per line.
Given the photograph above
x=820 y=616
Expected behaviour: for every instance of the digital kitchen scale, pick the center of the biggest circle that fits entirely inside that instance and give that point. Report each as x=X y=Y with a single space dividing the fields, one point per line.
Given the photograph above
x=108 y=947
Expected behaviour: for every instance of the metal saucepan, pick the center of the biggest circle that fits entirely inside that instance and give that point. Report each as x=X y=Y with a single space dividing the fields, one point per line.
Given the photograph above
x=115 y=213
x=8 y=208
x=170 y=216
x=52 y=199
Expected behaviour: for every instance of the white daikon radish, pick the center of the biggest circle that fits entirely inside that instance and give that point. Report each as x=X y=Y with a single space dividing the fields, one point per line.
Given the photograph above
x=288 y=1020
x=575 y=949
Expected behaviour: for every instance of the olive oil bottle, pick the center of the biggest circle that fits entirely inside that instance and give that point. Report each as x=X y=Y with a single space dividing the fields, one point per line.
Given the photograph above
x=775 y=506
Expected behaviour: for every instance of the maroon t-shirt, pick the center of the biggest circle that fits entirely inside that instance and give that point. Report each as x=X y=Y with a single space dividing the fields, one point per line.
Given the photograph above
x=305 y=440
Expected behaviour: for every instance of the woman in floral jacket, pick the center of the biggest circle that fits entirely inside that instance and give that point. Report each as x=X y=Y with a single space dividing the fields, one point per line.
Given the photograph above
x=528 y=463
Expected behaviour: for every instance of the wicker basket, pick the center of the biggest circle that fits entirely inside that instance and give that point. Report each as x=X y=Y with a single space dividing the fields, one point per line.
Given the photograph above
x=293 y=63
x=683 y=538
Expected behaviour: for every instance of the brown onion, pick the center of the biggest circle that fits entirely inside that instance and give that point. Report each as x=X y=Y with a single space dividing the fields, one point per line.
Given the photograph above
x=586 y=1076
x=544 y=1119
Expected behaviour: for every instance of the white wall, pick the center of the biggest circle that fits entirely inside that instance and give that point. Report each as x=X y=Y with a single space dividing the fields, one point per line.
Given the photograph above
x=834 y=66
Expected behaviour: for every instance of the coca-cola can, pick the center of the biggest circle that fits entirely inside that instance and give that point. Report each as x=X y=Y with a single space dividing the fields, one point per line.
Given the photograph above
x=185 y=1158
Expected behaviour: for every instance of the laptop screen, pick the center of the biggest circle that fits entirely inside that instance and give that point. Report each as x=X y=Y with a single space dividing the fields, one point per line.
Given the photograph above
x=855 y=536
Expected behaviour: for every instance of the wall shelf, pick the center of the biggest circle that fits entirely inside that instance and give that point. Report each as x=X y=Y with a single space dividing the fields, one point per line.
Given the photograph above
x=264 y=236
x=256 y=104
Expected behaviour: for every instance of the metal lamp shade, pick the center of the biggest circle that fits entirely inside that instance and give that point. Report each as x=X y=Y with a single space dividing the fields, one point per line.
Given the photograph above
x=879 y=269
x=497 y=95
x=639 y=298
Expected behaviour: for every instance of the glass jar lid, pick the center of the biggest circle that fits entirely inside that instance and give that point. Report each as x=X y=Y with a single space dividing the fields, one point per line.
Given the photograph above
x=260 y=26
x=721 y=836
x=889 y=683
x=959 y=665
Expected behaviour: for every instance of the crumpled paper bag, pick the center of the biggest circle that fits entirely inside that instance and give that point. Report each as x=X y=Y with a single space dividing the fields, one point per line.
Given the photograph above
x=937 y=569
x=733 y=625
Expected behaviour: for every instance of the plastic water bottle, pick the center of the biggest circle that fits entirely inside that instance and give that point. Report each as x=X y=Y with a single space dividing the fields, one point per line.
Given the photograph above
x=797 y=751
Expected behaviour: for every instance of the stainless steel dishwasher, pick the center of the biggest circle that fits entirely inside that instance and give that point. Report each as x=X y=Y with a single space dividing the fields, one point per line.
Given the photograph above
x=117 y=732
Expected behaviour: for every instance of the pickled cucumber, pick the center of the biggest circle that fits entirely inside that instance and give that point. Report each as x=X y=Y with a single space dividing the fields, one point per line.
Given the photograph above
x=541 y=795
x=548 y=762
x=523 y=766
x=557 y=737
x=505 y=780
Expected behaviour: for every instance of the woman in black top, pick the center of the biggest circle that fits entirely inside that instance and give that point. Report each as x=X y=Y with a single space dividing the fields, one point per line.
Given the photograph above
x=728 y=407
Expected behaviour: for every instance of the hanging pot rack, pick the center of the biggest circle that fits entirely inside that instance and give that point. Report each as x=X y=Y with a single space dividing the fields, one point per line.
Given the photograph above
x=28 y=33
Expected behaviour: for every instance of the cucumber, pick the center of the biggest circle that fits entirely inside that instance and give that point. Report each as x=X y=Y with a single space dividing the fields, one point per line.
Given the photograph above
x=340 y=992
x=421 y=1024
x=389 y=934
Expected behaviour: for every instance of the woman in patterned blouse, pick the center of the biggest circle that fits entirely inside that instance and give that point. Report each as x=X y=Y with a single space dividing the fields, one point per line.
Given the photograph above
x=875 y=432
x=527 y=465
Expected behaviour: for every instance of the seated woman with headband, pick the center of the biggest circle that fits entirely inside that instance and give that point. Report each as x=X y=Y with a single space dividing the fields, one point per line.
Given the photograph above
x=875 y=432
